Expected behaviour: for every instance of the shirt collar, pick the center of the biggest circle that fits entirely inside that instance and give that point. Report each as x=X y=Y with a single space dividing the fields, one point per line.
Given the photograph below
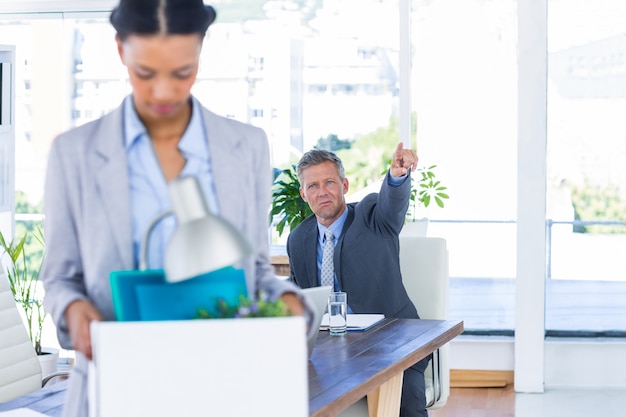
x=336 y=227
x=133 y=127
x=189 y=144
x=193 y=144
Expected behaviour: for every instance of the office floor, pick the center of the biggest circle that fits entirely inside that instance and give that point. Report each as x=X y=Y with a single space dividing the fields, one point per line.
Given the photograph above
x=478 y=402
x=504 y=402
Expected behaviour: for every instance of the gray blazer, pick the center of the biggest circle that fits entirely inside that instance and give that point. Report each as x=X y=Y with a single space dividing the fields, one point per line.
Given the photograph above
x=88 y=215
x=367 y=254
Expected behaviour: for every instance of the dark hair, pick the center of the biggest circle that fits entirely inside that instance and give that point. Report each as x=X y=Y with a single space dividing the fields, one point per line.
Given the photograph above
x=316 y=157
x=167 y=17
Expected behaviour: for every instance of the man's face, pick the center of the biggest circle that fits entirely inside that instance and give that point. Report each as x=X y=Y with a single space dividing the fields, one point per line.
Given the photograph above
x=324 y=190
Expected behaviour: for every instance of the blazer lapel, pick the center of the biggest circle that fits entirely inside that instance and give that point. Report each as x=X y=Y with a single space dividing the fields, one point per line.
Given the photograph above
x=112 y=183
x=224 y=152
x=337 y=253
x=310 y=254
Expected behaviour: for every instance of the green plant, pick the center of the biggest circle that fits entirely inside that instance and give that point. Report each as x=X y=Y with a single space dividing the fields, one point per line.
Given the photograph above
x=602 y=204
x=263 y=307
x=426 y=187
x=287 y=201
x=23 y=280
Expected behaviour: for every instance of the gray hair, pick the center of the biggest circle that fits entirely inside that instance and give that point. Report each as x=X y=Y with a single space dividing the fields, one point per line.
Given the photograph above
x=316 y=157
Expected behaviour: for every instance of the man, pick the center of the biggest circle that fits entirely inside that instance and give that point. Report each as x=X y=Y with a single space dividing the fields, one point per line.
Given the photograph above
x=366 y=246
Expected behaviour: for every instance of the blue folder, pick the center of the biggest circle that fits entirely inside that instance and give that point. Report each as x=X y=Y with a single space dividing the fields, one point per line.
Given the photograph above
x=147 y=296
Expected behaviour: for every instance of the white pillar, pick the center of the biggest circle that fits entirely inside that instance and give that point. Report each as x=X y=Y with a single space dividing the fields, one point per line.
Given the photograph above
x=531 y=196
x=404 y=73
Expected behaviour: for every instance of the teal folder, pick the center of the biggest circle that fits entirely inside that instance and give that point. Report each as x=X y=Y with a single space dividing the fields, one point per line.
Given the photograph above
x=147 y=296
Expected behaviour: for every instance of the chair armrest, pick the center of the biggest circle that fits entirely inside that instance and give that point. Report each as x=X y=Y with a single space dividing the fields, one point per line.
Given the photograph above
x=59 y=374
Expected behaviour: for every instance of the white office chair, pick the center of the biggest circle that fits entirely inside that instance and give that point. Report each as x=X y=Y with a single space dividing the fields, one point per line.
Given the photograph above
x=424 y=266
x=20 y=372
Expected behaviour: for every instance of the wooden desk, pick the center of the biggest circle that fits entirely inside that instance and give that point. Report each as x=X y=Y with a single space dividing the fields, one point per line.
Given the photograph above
x=343 y=369
x=48 y=400
x=279 y=260
x=281 y=265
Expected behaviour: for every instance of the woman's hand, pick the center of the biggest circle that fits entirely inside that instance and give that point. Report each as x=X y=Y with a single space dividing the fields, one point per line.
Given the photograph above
x=293 y=303
x=78 y=315
x=296 y=308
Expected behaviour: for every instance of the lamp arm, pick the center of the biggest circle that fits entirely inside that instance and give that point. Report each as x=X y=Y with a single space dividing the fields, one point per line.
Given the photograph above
x=143 y=259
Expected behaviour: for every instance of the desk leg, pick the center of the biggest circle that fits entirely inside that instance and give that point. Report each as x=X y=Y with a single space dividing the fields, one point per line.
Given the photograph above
x=385 y=400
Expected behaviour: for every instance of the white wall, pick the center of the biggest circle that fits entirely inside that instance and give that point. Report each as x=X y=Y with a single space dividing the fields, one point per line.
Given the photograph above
x=494 y=353
x=568 y=363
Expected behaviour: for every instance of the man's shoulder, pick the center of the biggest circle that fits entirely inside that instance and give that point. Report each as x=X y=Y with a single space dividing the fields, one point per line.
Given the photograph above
x=367 y=201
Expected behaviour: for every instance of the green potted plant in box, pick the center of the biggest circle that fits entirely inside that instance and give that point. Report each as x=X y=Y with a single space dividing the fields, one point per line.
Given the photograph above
x=264 y=306
x=23 y=275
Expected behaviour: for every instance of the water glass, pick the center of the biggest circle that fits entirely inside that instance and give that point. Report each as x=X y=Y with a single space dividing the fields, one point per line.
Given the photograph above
x=337 y=310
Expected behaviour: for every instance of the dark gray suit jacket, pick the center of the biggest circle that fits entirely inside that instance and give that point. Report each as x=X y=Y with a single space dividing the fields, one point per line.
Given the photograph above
x=366 y=256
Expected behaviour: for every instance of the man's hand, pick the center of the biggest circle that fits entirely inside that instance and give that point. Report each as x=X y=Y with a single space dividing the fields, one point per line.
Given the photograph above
x=403 y=160
x=78 y=316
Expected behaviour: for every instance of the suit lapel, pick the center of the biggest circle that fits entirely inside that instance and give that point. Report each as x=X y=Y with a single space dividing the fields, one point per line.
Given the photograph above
x=112 y=183
x=337 y=253
x=224 y=151
x=310 y=254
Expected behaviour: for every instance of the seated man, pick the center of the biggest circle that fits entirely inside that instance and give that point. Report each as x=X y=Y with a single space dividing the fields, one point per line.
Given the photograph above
x=365 y=261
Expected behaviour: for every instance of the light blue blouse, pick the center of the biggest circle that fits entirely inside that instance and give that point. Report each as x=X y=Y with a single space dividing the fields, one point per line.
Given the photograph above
x=149 y=195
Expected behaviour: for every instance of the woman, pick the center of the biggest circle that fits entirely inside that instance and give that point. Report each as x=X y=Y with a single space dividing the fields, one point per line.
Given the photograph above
x=107 y=179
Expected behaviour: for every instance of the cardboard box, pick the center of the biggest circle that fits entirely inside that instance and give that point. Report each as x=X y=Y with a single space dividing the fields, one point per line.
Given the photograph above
x=216 y=367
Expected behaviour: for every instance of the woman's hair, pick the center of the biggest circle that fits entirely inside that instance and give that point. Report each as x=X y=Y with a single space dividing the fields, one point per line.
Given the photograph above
x=165 y=17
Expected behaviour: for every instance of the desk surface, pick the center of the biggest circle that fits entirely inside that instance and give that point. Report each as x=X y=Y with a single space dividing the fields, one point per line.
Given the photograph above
x=344 y=369
x=48 y=400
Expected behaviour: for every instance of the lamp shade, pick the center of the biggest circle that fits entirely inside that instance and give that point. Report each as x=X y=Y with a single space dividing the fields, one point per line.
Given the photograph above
x=202 y=242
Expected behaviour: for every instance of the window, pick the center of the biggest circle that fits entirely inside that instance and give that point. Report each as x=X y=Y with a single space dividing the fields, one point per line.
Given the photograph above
x=465 y=99
x=586 y=285
x=332 y=75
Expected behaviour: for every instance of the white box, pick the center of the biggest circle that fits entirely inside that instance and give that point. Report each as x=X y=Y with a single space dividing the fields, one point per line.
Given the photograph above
x=216 y=367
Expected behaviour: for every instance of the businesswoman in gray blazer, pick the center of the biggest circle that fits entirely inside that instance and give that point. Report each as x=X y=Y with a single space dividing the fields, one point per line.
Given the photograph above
x=106 y=180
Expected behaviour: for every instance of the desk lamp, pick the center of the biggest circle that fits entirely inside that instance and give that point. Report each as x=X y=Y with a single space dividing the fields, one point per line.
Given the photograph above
x=202 y=242
x=202 y=247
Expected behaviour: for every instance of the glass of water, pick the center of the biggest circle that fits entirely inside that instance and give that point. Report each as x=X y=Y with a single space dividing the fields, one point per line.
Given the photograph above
x=337 y=309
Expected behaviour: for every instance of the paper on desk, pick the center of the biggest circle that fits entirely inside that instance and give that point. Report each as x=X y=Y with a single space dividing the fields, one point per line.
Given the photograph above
x=356 y=322
x=21 y=412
